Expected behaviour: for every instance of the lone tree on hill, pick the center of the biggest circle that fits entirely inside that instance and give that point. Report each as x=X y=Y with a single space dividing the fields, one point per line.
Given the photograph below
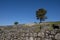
x=16 y=23
x=40 y=14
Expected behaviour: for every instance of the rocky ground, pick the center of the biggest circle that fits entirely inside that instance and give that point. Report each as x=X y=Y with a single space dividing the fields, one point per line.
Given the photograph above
x=29 y=33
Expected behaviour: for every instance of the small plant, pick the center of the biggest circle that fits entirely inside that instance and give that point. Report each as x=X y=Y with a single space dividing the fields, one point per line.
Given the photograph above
x=16 y=23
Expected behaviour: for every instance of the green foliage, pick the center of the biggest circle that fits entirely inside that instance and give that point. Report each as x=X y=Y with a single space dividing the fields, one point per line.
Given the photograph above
x=16 y=23
x=54 y=22
x=50 y=28
x=40 y=14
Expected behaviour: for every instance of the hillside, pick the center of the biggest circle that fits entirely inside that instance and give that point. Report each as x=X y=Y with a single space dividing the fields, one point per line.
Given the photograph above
x=30 y=32
x=30 y=27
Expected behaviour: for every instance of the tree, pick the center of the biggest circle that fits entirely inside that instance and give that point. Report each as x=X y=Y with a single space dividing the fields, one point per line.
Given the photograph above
x=16 y=23
x=40 y=14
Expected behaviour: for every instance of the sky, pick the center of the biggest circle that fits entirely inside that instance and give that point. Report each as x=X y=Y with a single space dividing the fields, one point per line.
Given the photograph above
x=23 y=11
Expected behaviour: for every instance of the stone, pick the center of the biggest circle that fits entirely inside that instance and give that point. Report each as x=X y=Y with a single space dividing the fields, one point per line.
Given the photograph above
x=57 y=36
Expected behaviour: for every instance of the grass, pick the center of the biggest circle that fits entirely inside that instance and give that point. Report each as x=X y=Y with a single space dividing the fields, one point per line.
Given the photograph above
x=36 y=25
x=55 y=22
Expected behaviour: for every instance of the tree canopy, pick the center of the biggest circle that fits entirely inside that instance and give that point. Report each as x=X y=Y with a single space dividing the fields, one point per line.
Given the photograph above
x=40 y=14
x=16 y=23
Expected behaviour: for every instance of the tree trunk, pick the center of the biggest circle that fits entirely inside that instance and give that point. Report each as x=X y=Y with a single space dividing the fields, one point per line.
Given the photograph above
x=40 y=21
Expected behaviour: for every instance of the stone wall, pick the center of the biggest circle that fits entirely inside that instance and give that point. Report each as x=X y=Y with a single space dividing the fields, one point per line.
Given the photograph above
x=42 y=35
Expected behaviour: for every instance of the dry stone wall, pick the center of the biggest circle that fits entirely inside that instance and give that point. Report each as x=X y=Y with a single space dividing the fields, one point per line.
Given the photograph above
x=42 y=35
